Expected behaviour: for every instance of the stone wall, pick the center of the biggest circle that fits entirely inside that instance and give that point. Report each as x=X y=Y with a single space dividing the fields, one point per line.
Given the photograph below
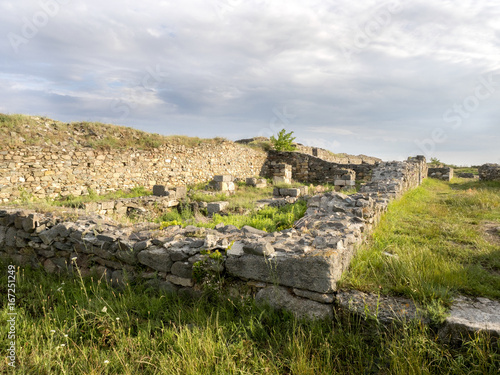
x=305 y=263
x=308 y=168
x=441 y=173
x=489 y=172
x=337 y=158
x=50 y=172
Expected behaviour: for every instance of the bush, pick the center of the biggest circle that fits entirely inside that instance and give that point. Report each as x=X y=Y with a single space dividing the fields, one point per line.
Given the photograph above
x=284 y=142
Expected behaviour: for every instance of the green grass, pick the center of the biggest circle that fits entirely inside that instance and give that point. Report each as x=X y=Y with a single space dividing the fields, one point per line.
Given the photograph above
x=270 y=219
x=435 y=235
x=77 y=202
x=83 y=326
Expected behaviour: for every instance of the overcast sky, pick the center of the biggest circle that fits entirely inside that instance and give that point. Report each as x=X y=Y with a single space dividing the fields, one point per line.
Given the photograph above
x=388 y=79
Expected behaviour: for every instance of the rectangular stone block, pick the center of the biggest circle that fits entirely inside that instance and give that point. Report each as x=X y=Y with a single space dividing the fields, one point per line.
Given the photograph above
x=339 y=183
x=251 y=181
x=107 y=205
x=160 y=190
x=314 y=273
x=180 y=192
x=290 y=192
x=223 y=178
x=215 y=207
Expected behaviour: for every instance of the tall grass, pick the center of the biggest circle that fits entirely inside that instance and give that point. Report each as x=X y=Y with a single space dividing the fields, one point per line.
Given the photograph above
x=430 y=245
x=70 y=325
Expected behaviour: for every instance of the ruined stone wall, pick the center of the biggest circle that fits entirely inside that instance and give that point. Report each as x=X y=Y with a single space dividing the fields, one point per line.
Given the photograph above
x=441 y=173
x=337 y=158
x=50 y=172
x=304 y=263
x=308 y=168
x=489 y=172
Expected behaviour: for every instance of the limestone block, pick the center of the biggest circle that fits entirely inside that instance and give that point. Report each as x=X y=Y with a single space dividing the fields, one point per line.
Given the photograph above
x=260 y=247
x=182 y=281
x=216 y=207
x=107 y=205
x=223 y=178
x=180 y=192
x=290 y=192
x=182 y=269
x=251 y=181
x=281 y=298
x=156 y=258
x=160 y=191
x=314 y=273
x=468 y=315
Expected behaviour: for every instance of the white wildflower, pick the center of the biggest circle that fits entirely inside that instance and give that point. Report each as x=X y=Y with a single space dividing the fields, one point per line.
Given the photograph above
x=104 y=309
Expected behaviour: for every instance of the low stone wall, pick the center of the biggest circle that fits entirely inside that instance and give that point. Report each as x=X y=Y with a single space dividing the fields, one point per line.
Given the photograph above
x=308 y=168
x=489 y=172
x=441 y=173
x=306 y=261
x=53 y=171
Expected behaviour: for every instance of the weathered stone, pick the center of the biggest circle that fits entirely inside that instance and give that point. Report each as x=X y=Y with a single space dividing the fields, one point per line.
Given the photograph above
x=318 y=297
x=469 y=315
x=318 y=273
x=216 y=207
x=252 y=230
x=141 y=245
x=180 y=281
x=182 y=269
x=160 y=191
x=156 y=258
x=223 y=178
x=49 y=235
x=280 y=298
x=10 y=237
x=3 y=231
x=290 y=192
x=262 y=248
x=30 y=223
x=251 y=181
x=385 y=310
x=162 y=285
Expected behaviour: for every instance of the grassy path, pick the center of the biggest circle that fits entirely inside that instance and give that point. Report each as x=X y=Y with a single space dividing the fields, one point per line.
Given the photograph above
x=438 y=240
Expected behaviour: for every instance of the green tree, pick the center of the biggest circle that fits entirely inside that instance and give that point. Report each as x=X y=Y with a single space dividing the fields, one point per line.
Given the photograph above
x=284 y=141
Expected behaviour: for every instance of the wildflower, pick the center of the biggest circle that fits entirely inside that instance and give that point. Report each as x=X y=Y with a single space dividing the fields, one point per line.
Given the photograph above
x=63 y=345
x=117 y=319
x=104 y=309
x=52 y=331
x=65 y=335
x=74 y=258
x=106 y=362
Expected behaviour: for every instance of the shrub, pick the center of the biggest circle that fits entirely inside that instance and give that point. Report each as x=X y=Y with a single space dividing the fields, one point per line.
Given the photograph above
x=284 y=142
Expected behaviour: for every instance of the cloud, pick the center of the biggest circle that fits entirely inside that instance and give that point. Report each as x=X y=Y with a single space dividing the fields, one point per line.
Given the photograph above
x=366 y=77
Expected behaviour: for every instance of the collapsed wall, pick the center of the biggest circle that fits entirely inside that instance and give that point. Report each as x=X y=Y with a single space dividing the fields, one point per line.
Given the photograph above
x=302 y=265
x=489 y=172
x=309 y=168
x=49 y=172
x=441 y=173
